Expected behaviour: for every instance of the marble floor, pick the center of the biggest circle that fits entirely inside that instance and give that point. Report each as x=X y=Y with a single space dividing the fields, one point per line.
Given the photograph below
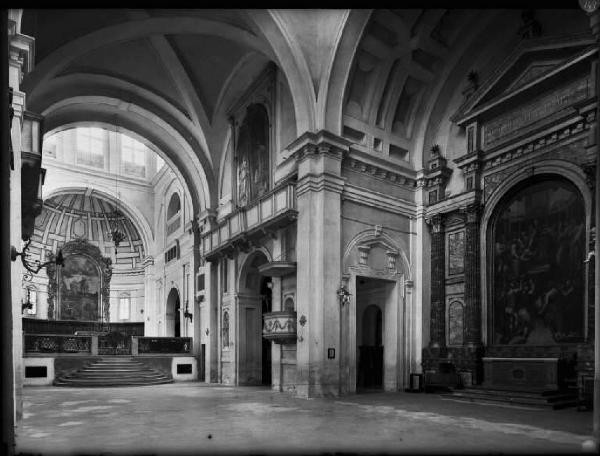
x=195 y=418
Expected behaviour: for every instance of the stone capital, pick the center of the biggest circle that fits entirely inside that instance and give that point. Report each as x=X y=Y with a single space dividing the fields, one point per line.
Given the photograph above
x=436 y=222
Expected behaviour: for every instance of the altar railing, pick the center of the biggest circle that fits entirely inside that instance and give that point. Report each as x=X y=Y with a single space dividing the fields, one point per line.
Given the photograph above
x=161 y=345
x=56 y=343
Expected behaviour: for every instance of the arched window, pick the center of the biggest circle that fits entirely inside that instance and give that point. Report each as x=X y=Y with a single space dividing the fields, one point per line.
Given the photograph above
x=124 y=306
x=537 y=245
x=174 y=206
x=288 y=304
x=173 y=212
x=253 y=155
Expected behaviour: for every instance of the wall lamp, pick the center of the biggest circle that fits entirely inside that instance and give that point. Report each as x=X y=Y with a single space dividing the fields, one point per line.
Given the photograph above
x=344 y=295
x=186 y=313
x=34 y=266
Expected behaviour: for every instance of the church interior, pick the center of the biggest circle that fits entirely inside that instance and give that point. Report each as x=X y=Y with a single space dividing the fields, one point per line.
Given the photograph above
x=319 y=202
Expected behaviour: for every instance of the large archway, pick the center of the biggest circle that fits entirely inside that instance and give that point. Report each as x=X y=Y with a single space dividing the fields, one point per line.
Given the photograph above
x=173 y=314
x=254 y=299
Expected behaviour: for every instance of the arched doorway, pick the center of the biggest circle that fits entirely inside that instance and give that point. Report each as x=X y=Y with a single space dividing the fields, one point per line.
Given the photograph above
x=536 y=240
x=254 y=298
x=369 y=340
x=173 y=317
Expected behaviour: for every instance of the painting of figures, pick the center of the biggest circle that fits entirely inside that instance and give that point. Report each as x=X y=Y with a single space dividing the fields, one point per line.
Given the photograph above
x=79 y=289
x=538 y=244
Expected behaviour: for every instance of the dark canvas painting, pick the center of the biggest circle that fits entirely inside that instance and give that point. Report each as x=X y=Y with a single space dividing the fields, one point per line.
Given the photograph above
x=79 y=289
x=538 y=270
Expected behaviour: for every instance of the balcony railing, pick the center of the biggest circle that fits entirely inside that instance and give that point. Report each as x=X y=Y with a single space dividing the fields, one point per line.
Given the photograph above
x=270 y=210
x=56 y=343
x=160 y=345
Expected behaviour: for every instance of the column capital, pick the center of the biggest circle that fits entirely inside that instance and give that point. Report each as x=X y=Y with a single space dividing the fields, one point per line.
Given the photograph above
x=436 y=222
x=320 y=143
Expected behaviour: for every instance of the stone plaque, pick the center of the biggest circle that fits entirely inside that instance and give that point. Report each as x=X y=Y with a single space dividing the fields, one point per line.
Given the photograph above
x=538 y=109
x=456 y=253
x=456 y=314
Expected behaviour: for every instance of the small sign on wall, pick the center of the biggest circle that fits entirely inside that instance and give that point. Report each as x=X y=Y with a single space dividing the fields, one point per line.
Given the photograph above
x=331 y=353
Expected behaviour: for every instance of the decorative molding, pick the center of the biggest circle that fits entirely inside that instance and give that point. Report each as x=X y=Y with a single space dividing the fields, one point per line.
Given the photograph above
x=380 y=173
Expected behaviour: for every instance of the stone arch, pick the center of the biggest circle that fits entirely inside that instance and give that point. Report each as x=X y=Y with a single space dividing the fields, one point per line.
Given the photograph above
x=331 y=103
x=173 y=303
x=189 y=166
x=250 y=263
x=560 y=169
x=293 y=64
x=372 y=238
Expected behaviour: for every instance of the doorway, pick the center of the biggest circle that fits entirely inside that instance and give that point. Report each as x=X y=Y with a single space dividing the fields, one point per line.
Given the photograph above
x=173 y=317
x=372 y=296
x=254 y=298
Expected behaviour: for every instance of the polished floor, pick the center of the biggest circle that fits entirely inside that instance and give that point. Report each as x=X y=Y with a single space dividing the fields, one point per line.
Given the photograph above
x=194 y=418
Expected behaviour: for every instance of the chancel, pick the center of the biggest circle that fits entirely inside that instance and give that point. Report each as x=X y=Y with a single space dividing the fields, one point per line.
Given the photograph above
x=314 y=203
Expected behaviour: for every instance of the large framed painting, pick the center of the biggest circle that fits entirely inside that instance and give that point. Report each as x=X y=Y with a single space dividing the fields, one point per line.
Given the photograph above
x=80 y=289
x=79 y=285
x=537 y=241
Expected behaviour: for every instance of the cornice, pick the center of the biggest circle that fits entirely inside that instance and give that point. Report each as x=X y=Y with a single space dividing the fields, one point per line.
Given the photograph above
x=454 y=203
x=319 y=182
x=382 y=173
x=378 y=200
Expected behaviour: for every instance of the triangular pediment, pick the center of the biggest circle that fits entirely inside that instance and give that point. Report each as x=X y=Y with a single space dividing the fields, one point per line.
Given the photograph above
x=531 y=63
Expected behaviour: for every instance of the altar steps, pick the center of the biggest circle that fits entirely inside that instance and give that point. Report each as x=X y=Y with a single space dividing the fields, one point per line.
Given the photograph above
x=528 y=398
x=114 y=372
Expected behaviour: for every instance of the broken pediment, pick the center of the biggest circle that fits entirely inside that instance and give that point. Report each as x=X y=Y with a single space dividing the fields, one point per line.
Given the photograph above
x=536 y=66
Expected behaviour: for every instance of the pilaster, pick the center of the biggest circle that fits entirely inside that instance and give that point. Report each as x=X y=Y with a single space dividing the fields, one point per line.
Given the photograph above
x=472 y=276
x=319 y=261
x=438 y=285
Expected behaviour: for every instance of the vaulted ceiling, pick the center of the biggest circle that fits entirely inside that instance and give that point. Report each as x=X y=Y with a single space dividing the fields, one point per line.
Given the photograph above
x=386 y=79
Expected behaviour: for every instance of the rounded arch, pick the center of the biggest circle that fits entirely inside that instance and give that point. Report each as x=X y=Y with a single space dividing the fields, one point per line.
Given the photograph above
x=173 y=306
x=291 y=60
x=558 y=169
x=61 y=57
x=108 y=194
x=249 y=268
x=140 y=123
x=331 y=104
x=174 y=206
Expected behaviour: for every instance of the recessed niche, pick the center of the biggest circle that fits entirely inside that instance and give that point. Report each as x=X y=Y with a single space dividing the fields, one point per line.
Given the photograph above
x=353 y=135
x=184 y=368
x=398 y=152
x=36 y=372
x=377 y=144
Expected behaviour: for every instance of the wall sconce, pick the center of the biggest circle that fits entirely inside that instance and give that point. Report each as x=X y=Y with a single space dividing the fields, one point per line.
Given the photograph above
x=344 y=295
x=207 y=331
x=34 y=266
x=186 y=313
x=27 y=304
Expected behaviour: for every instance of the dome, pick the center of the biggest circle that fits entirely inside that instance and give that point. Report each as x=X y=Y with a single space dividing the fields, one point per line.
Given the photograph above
x=86 y=215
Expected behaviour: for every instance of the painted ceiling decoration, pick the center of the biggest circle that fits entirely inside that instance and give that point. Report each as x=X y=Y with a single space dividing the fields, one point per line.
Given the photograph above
x=87 y=215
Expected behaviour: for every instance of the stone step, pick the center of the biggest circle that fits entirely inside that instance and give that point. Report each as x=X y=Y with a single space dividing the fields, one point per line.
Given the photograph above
x=109 y=383
x=117 y=374
x=513 y=393
x=547 y=399
x=114 y=372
